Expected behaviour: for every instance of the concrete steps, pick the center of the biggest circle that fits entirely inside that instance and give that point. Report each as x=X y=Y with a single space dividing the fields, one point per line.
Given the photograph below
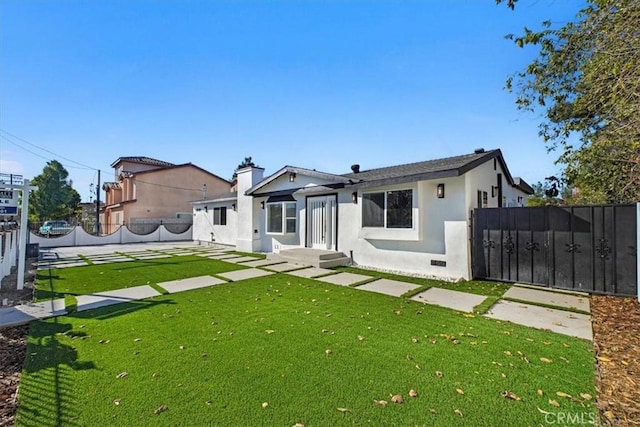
x=314 y=257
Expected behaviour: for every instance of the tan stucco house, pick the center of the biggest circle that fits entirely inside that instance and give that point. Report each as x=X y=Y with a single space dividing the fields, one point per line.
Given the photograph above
x=147 y=190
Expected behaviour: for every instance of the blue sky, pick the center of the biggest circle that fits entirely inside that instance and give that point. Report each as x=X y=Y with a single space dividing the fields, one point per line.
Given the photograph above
x=316 y=84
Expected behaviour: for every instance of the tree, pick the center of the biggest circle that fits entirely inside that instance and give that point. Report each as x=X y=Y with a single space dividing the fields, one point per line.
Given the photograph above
x=551 y=192
x=586 y=78
x=54 y=198
x=244 y=164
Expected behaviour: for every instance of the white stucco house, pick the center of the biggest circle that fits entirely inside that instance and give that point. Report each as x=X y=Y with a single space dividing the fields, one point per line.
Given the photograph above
x=412 y=218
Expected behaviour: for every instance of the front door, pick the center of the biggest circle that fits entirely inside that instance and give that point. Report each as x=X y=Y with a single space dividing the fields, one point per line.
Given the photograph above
x=322 y=222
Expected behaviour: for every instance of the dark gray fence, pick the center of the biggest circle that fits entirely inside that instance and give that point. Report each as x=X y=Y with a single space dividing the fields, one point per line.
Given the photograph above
x=582 y=248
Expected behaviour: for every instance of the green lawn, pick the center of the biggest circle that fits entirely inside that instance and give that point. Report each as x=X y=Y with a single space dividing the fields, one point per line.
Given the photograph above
x=215 y=355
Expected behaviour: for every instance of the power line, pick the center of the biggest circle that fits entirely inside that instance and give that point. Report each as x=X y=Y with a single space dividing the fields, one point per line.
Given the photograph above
x=9 y=140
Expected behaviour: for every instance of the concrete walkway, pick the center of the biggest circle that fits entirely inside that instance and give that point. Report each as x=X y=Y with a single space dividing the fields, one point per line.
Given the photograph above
x=526 y=306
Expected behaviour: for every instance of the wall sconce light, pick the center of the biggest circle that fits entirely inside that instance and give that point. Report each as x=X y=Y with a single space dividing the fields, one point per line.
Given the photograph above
x=440 y=191
x=262 y=205
x=233 y=206
x=206 y=208
x=292 y=176
x=354 y=197
x=494 y=189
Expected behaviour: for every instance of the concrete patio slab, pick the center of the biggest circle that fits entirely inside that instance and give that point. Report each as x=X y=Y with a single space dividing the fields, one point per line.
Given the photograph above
x=240 y=259
x=49 y=266
x=25 y=313
x=103 y=299
x=174 y=286
x=249 y=273
x=556 y=299
x=560 y=321
x=262 y=262
x=344 y=279
x=284 y=267
x=222 y=256
x=151 y=256
x=111 y=260
x=389 y=287
x=312 y=272
x=456 y=300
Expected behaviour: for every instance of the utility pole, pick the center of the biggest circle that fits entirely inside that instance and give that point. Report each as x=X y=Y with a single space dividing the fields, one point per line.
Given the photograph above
x=98 y=206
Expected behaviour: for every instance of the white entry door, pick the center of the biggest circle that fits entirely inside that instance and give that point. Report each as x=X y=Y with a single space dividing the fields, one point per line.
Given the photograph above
x=322 y=222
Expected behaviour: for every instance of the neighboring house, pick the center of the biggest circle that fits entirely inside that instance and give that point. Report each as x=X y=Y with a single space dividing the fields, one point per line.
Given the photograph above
x=150 y=190
x=412 y=218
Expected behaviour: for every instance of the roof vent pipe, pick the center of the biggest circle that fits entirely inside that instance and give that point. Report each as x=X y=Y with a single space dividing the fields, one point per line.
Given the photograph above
x=355 y=168
x=479 y=150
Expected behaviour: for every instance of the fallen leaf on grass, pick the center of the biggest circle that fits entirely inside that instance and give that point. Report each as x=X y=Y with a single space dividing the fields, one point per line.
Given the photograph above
x=122 y=374
x=545 y=360
x=160 y=409
x=360 y=338
x=459 y=412
x=460 y=391
x=586 y=396
x=563 y=394
x=468 y=315
x=409 y=357
x=414 y=340
x=413 y=393
x=507 y=353
x=328 y=351
x=265 y=405
x=380 y=402
x=509 y=395
x=542 y=411
x=396 y=398
x=539 y=392
x=439 y=374
x=553 y=402
x=342 y=409
x=116 y=402
x=104 y=341
x=182 y=347
x=269 y=331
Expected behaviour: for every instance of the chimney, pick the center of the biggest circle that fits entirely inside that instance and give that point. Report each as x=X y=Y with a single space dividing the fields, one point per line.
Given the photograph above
x=355 y=168
x=479 y=150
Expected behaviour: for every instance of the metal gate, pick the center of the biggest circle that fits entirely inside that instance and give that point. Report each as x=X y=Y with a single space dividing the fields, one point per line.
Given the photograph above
x=581 y=248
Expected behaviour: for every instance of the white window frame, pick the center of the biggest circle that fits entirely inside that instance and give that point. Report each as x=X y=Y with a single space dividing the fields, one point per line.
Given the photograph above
x=219 y=221
x=283 y=209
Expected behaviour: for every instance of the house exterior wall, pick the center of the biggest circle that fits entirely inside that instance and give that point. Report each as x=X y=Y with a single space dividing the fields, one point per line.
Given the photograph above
x=205 y=231
x=248 y=227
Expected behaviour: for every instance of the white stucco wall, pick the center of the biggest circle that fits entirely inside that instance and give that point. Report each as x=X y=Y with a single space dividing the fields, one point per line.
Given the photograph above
x=79 y=237
x=205 y=231
x=248 y=226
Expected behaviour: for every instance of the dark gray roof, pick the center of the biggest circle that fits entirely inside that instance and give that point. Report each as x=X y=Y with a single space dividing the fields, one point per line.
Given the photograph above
x=231 y=196
x=142 y=160
x=449 y=166
x=298 y=171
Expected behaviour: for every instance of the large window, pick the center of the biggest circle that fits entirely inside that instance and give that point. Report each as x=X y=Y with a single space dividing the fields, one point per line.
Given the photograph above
x=281 y=218
x=389 y=209
x=220 y=216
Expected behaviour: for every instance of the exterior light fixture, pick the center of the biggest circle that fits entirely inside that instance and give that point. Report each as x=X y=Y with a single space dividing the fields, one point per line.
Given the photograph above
x=494 y=188
x=206 y=208
x=233 y=206
x=292 y=176
x=440 y=191
x=262 y=205
x=354 y=197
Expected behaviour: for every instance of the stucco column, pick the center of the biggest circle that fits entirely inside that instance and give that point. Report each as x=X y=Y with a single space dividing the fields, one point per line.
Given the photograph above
x=248 y=239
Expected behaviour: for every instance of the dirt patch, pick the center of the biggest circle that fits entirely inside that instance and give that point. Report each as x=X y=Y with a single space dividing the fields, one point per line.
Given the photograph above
x=13 y=341
x=616 y=329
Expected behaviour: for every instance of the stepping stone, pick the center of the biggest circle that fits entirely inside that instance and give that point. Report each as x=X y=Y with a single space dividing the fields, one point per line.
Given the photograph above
x=311 y=272
x=389 y=287
x=240 y=259
x=286 y=266
x=249 y=273
x=62 y=265
x=111 y=260
x=261 y=263
x=560 y=321
x=344 y=279
x=25 y=313
x=191 y=283
x=557 y=299
x=151 y=256
x=456 y=300
x=223 y=256
x=103 y=299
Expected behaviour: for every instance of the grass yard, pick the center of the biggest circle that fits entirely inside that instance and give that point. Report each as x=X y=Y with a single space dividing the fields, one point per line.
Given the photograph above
x=312 y=353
